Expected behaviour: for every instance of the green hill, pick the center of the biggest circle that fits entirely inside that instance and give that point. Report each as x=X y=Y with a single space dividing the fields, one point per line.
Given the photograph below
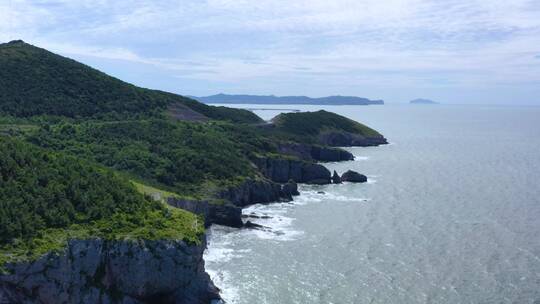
x=313 y=123
x=34 y=81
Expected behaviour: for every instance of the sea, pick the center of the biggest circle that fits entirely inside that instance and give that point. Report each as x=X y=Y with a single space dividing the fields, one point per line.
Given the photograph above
x=450 y=214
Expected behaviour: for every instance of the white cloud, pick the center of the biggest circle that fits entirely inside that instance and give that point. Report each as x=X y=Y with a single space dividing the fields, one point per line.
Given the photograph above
x=447 y=43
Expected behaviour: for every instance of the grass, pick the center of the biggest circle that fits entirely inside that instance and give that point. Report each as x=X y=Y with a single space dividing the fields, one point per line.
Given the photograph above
x=154 y=192
x=167 y=223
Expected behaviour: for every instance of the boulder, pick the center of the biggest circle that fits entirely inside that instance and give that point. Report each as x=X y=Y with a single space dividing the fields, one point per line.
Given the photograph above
x=315 y=174
x=290 y=189
x=353 y=177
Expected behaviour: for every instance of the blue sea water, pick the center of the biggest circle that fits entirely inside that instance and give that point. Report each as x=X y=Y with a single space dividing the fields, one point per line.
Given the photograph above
x=451 y=214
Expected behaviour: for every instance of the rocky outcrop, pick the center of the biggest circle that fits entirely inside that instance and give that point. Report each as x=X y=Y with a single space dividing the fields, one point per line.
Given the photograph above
x=229 y=212
x=347 y=139
x=100 y=271
x=314 y=153
x=282 y=170
x=225 y=214
x=353 y=177
x=290 y=189
x=255 y=192
x=335 y=178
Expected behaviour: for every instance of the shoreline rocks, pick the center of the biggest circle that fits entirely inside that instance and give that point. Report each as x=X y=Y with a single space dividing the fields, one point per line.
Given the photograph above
x=281 y=170
x=229 y=213
x=336 y=179
x=353 y=177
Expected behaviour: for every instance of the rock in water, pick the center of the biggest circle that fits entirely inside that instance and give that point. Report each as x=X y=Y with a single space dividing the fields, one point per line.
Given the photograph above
x=251 y=225
x=290 y=189
x=353 y=177
x=335 y=178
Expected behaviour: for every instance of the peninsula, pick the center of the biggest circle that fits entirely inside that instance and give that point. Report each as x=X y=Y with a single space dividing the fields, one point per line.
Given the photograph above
x=107 y=188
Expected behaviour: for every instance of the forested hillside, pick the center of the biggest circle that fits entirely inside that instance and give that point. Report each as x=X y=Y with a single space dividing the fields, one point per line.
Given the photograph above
x=46 y=196
x=181 y=155
x=34 y=81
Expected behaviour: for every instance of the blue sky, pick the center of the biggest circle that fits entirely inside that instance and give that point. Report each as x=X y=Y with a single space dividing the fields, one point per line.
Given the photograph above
x=455 y=51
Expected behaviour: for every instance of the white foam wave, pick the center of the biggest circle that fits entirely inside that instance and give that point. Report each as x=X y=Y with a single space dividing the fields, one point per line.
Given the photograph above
x=312 y=196
x=277 y=226
x=228 y=290
x=361 y=158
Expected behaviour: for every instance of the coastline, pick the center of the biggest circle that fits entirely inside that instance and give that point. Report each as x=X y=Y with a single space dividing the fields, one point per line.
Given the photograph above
x=273 y=223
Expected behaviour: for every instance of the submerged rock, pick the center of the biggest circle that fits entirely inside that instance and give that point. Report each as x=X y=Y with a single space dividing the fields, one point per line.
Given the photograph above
x=353 y=177
x=251 y=225
x=335 y=178
x=255 y=216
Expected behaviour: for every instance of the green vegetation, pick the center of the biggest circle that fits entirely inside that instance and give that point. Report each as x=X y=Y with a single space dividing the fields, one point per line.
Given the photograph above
x=221 y=113
x=154 y=192
x=82 y=152
x=34 y=81
x=313 y=123
x=180 y=155
x=46 y=194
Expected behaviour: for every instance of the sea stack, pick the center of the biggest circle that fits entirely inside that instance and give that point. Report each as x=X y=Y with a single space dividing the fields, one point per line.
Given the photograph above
x=335 y=178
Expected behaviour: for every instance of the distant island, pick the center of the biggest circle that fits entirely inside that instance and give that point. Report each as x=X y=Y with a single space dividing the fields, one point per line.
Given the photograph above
x=422 y=101
x=271 y=99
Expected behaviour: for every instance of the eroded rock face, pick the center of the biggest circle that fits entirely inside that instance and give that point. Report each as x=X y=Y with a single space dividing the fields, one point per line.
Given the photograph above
x=229 y=213
x=225 y=214
x=353 y=177
x=346 y=139
x=314 y=153
x=99 y=271
x=282 y=170
x=252 y=192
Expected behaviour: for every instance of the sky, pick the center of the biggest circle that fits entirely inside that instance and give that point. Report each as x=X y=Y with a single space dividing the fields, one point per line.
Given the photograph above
x=451 y=51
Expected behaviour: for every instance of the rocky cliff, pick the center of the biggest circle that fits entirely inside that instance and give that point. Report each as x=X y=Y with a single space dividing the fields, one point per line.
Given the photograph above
x=314 y=153
x=99 y=271
x=282 y=170
x=347 y=139
x=229 y=212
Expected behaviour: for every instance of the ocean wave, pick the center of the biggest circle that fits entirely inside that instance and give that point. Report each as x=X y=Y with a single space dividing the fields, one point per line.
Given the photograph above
x=361 y=158
x=277 y=226
x=308 y=195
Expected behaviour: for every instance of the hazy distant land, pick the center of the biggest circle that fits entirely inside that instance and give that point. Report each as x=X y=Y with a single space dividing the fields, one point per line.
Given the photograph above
x=271 y=99
x=423 y=101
